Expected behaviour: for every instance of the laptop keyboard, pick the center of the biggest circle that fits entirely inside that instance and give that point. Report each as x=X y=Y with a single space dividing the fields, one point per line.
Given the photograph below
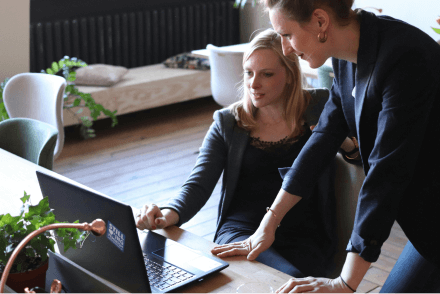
x=163 y=276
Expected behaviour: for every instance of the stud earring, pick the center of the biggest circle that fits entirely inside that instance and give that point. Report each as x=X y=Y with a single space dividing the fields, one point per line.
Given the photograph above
x=322 y=39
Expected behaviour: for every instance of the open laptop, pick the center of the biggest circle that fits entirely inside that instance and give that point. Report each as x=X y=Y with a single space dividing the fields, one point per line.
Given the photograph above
x=134 y=260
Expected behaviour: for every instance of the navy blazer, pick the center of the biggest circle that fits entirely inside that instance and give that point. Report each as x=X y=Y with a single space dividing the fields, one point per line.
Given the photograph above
x=390 y=101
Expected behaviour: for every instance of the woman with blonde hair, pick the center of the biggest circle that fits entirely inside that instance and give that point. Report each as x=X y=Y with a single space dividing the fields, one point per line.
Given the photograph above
x=251 y=142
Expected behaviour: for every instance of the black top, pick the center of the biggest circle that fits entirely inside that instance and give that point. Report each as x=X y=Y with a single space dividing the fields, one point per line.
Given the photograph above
x=258 y=185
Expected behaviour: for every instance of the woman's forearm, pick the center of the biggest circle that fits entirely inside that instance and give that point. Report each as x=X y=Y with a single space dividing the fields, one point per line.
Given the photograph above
x=354 y=270
x=281 y=205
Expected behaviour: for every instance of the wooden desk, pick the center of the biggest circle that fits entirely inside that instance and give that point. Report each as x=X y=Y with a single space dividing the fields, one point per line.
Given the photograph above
x=18 y=175
x=306 y=69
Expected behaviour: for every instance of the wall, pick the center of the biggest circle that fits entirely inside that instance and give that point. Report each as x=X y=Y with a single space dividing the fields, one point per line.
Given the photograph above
x=252 y=19
x=420 y=13
x=14 y=37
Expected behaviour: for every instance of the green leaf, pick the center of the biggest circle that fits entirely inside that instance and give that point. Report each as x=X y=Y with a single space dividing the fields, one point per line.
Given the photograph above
x=70 y=88
x=36 y=221
x=4 y=219
x=72 y=76
x=29 y=251
x=436 y=30
x=44 y=205
x=25 y=198
x=55 y=67
x=49 y=71
x=76 y=102
x=44 y=256
x=9 y=220
x=50 y=219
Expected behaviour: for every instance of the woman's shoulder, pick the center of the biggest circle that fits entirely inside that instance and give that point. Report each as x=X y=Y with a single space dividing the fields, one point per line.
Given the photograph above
x=227 y=123
x=398 y=37
x=224 y=117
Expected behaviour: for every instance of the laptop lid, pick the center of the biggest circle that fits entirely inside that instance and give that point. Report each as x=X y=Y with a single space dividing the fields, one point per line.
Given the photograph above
x=118 y=256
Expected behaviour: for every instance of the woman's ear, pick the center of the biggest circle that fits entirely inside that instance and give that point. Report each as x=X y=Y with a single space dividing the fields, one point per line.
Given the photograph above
x=320 y=19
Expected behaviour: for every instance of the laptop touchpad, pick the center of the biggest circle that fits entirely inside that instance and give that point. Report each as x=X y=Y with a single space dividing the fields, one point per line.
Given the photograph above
x=176 y=254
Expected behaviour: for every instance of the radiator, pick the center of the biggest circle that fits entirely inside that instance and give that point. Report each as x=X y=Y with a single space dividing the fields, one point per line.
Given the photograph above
x=136 y=38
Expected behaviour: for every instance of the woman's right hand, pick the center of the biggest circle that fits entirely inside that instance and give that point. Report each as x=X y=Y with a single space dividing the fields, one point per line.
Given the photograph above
x=150 y=217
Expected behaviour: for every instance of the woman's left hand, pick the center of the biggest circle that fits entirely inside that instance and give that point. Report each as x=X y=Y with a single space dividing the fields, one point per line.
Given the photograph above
x=251 y=247
x=311 y=284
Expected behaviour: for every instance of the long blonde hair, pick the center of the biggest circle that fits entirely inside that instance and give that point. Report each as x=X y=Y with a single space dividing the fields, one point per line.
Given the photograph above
x=295 y=100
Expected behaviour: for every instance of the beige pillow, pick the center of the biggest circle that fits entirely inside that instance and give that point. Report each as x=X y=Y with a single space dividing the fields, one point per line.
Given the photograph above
x=99 y=75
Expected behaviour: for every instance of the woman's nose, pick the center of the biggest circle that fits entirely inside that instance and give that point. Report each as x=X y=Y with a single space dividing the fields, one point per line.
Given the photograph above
x=255 y=83
x=287 y=48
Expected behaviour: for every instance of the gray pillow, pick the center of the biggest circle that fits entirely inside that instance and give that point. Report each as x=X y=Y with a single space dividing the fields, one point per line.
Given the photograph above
x=99 y=75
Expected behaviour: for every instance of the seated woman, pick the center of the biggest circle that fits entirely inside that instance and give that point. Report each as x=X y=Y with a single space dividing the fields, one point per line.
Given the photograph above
x=249 y=142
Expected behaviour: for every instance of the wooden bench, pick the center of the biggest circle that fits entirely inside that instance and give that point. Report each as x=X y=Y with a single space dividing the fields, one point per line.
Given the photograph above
x=147 y=87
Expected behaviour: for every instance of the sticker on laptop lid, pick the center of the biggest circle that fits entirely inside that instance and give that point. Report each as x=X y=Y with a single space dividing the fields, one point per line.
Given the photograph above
x=116 y=236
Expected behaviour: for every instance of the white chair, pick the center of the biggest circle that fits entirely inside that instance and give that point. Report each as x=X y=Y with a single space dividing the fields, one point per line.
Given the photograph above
x=38 y=96
x=226 y=74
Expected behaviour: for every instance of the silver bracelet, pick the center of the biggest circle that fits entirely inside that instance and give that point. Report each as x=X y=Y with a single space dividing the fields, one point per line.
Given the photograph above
x=274 y=214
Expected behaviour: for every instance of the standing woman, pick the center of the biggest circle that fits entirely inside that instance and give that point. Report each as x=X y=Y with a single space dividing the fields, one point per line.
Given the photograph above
x=386 y=94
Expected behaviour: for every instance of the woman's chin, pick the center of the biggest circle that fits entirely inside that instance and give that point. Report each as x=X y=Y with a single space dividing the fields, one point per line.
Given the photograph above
x=313 y=64
x=257 y=104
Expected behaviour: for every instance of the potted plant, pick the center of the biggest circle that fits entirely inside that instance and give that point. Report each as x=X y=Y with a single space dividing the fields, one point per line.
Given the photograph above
x=29 y=268
x=74 y=100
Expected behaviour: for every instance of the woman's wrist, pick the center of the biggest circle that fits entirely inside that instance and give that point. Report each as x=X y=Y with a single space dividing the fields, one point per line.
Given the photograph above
x=268 y=223
x=171 y=216
x=345 y=285
x=354 y=270
x=273 y=213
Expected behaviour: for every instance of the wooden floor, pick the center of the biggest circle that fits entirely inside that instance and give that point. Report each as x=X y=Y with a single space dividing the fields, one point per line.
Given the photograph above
x=149 y=155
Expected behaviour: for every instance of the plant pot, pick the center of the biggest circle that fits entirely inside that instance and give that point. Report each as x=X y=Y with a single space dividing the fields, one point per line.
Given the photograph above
x=31 y=279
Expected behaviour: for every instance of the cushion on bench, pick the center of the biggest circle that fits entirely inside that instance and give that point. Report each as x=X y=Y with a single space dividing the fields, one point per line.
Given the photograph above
x=147 y=87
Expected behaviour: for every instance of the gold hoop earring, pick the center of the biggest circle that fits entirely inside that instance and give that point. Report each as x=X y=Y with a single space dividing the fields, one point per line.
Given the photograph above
x=322 y=39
